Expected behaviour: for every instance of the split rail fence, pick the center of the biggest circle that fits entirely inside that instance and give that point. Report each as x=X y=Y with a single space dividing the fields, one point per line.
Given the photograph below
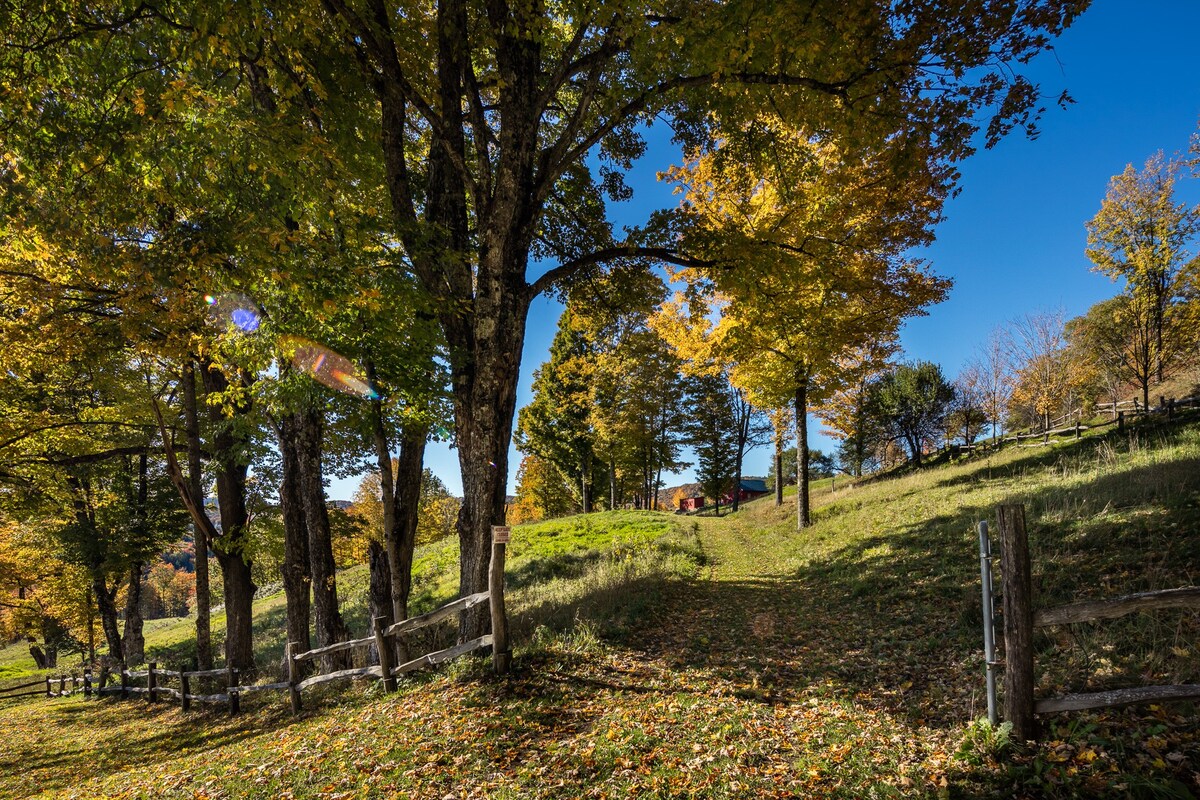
x=1169 y=407
x=1021 y=619
x=385 y=640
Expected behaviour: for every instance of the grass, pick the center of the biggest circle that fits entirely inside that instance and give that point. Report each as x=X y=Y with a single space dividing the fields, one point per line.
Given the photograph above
x=665 y=656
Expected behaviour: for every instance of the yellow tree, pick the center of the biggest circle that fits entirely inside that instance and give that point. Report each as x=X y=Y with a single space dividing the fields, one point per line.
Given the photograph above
x=1144 y=237
x=818 y=232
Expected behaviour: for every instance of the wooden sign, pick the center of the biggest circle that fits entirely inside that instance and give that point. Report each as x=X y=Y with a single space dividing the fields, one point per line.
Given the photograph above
x=500 y=534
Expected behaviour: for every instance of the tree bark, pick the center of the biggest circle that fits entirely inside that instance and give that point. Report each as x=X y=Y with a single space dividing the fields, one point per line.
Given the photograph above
x=327 y=617
x=133 y=643
x=379 y=593
x=401 y=538
x=191 y=421
x=230 y=547
x=295 y=571
x=107 y=607
x=803 y=514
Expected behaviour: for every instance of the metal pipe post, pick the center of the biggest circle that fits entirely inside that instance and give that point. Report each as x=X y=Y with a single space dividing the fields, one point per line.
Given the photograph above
x=989 y=636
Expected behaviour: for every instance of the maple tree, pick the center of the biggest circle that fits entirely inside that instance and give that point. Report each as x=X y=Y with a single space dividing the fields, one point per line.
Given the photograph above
x=485 y=113
x=820 y=239
x=1144 y=237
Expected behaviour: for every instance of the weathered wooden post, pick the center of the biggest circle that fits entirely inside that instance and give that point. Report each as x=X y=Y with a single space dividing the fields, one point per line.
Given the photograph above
x=386 y=655
x=185 y=688
x=1120 y=422
x=152 y=683
x=234 y=702
x=87 y=681
x=124 y=683
x=1171 y=408
x=103 y=679
x=49 y=690
x=62 y=685
x=293 y=676
x=501 y=654
x=1018 y=621
x=1077 y=429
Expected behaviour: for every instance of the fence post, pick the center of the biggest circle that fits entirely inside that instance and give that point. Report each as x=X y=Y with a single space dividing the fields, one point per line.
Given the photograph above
x=293 y=676
x=62 y=685
x=124 y=683
x=185 y=687
x=501 y=654
x=386 y=655
x=989 y=632
x=87 y=681
x=1018 y=621
x=103 y=679
x=1077 y=433
x=1171 y=408
x=235 y=703
x=152 y=684
x=49 y=691
x=1120 y=422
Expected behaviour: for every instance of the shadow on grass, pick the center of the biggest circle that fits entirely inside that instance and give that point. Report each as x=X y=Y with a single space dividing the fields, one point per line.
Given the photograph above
x=893 y=620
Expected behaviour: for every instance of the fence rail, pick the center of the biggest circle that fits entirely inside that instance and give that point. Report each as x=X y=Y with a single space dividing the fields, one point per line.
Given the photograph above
x=1020 y=620
x=385 y=639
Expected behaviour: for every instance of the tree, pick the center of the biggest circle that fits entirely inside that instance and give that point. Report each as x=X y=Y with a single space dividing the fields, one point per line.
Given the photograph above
x=1119 y=337
x=711 y=428
x=1143 y=236
x=912 y=401
x=967 y=416
x=848 y=411
x=1042 y=379
x=542 y=493
x=993 y=365
x=487 y=113
x=557 y=424
x=821 y=241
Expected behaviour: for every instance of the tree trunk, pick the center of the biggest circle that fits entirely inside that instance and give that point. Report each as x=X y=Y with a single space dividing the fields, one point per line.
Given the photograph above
x=295 y=572
x=327 y=617
x=379 y=593
x=107 y=607
x=134 y=642
x=803 y=514
x=401 y=538
x=586 y=483
x=231 y=546
x=483 y=417
x=200 y=542
x=778 y=469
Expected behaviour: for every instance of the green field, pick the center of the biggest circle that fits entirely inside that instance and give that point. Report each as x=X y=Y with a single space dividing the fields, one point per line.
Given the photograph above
x=670 y=656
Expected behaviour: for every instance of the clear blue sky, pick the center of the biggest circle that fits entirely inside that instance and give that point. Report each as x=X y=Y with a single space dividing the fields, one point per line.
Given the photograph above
x=1014 y=238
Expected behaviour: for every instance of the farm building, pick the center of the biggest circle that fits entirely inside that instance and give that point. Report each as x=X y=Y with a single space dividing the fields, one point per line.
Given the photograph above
x=748 y=489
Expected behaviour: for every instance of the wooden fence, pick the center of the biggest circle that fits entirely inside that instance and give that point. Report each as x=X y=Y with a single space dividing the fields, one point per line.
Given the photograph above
x=385 y=641
x=1169 y=407
x=1020 y=620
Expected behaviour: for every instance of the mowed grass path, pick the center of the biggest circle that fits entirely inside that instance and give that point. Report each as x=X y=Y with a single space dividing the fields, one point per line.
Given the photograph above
x=746 y=659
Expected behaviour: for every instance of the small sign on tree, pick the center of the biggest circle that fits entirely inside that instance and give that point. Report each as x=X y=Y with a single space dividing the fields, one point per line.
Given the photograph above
x=500 y=534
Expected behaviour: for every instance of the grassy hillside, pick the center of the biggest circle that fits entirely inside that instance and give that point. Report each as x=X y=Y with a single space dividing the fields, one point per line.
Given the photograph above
x=664 y=656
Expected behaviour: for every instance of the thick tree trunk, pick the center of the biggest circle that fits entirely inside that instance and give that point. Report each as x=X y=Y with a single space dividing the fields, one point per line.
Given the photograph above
x=327 y=617
x=295 y=571
x=230 y=548
x=133 y=643
x=483 y=417
x=379 y=593
x=191 y=420
x=401 y=538
x=107 y=607
x=803 y=514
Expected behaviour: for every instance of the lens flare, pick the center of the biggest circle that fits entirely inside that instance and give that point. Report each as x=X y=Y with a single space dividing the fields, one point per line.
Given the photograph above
x=233 y=309
x=327 y=367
